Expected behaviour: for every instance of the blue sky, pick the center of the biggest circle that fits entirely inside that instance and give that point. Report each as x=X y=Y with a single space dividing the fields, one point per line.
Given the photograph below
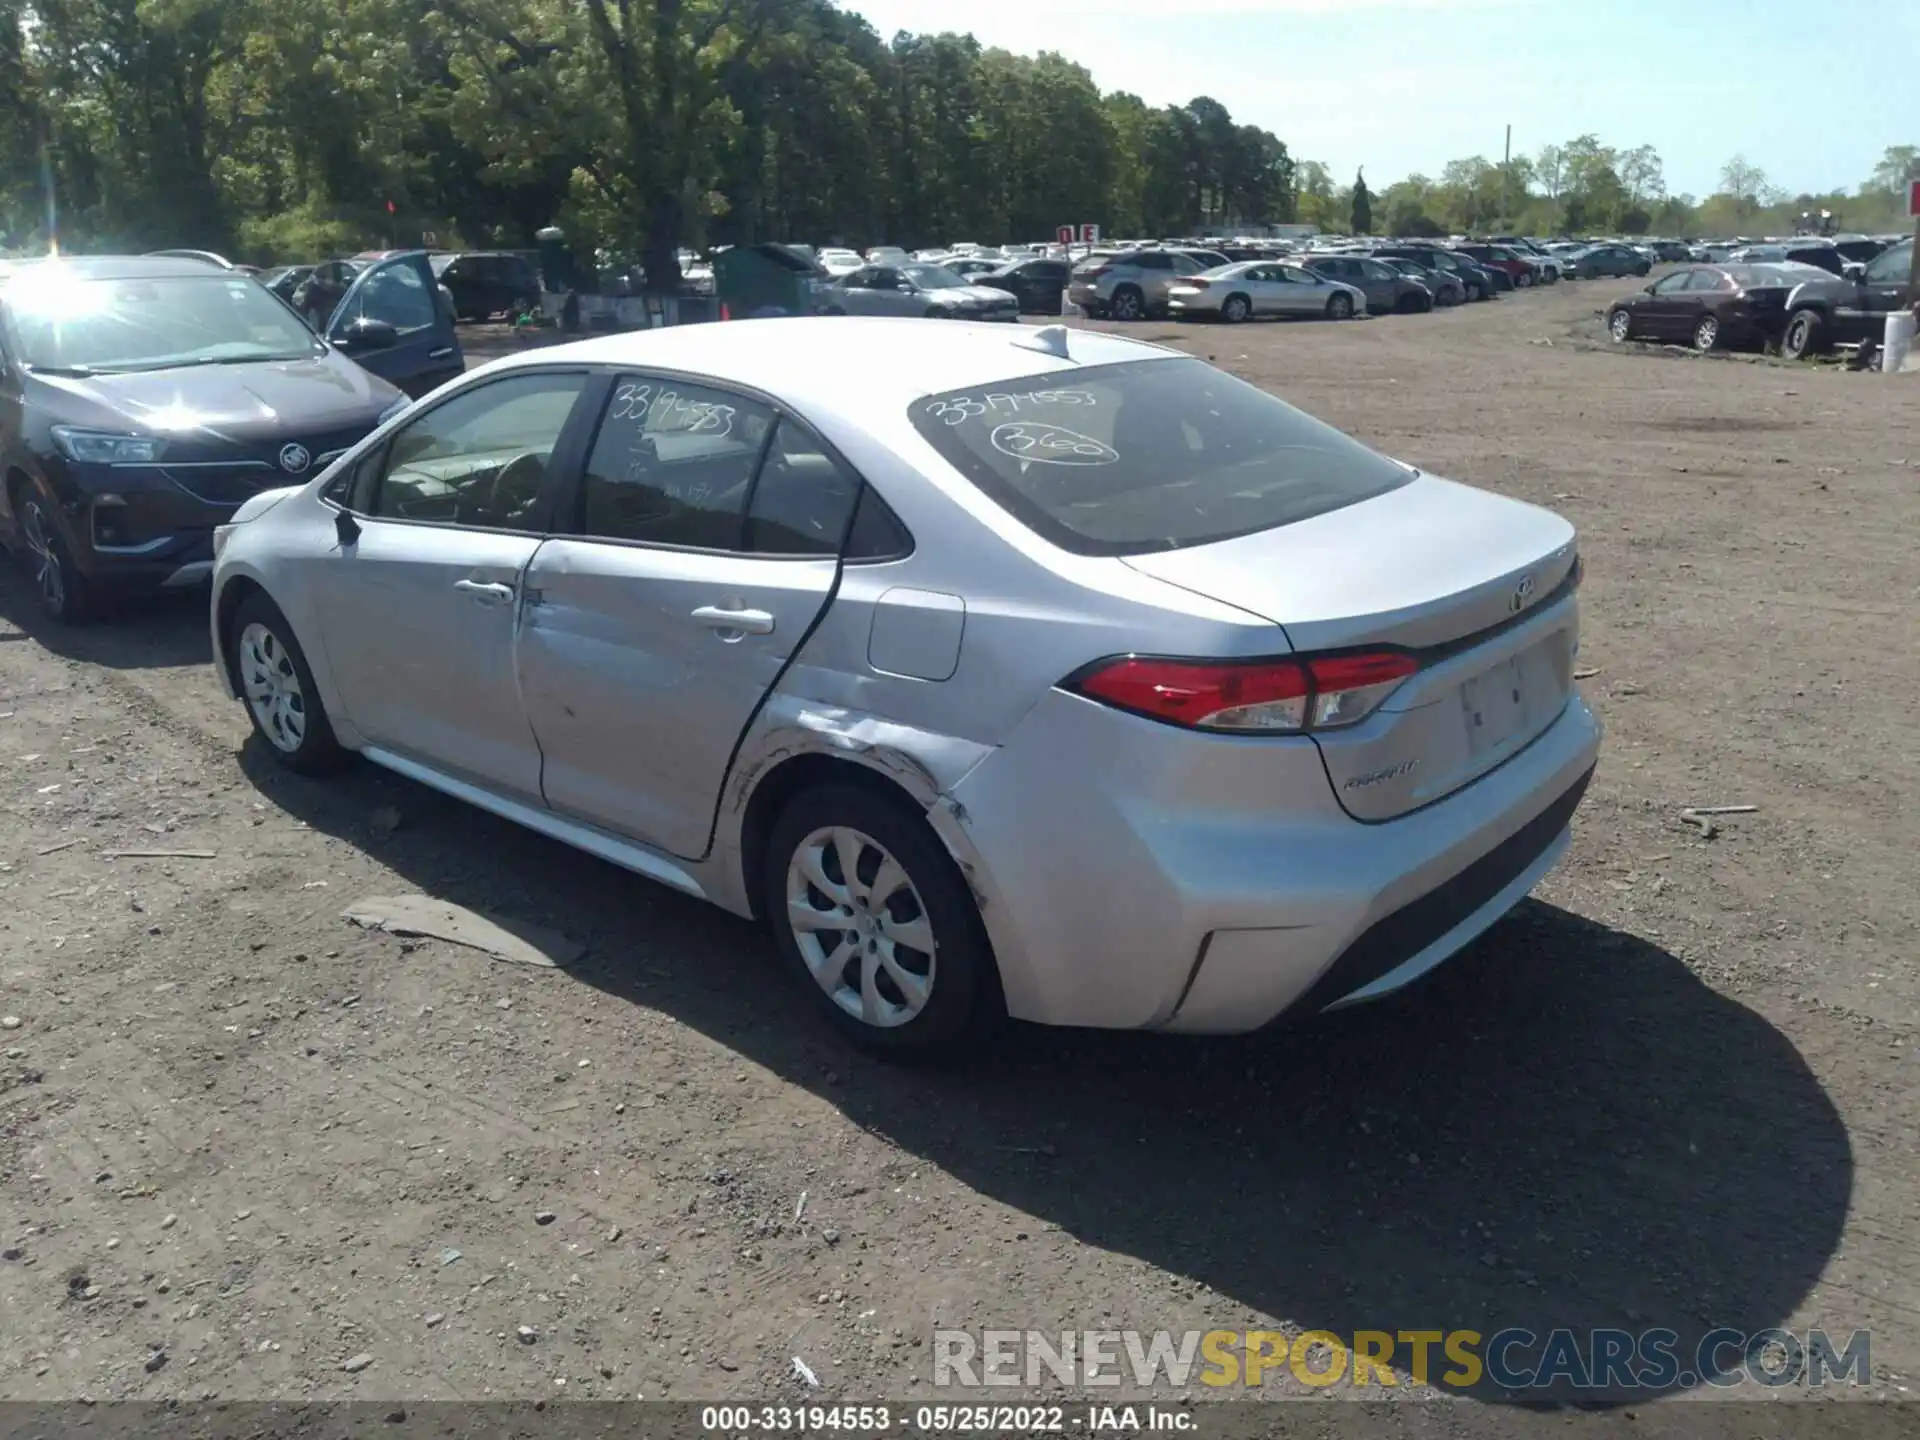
x=1812 y=95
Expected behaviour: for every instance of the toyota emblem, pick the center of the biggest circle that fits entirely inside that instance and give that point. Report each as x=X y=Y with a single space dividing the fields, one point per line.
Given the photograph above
x=294 y=459
x=1522 y=593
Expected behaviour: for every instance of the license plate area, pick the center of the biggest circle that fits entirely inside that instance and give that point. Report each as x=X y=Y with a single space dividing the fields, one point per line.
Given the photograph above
x=1509 y=702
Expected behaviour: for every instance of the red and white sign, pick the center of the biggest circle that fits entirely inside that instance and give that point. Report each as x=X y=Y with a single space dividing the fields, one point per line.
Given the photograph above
x=1089 y=234
x=1913 y=198
x=1064 y=234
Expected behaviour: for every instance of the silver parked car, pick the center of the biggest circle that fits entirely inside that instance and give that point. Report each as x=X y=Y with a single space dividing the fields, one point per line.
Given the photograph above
x=998 y=670
x=917 y=288
x=1262 y=287
x=1131 y=284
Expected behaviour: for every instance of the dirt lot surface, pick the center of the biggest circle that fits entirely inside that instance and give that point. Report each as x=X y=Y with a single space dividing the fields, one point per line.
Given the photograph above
x=243 y=1143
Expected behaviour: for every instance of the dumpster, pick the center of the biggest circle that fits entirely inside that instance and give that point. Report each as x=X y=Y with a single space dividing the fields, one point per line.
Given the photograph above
x=757 y=280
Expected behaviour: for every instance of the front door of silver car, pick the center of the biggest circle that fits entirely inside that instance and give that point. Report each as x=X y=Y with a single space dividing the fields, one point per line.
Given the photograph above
x=705 y=539
x=418 y=604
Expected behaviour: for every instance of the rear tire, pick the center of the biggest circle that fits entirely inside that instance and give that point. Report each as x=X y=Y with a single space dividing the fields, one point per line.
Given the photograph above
x=1340 y=307
x=912 y=974
x=1524 y=280
x=1128 y=304
x=278 y=688
x=1806 y=334
x=1235 y=308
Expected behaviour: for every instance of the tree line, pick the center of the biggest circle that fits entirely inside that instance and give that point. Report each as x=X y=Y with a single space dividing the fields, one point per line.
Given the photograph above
x=273 y=131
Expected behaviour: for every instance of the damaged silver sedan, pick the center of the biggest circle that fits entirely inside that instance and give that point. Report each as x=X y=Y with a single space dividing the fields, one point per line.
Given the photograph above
x=999 y=671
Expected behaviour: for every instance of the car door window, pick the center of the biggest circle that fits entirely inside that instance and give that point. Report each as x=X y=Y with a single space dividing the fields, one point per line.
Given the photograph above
x=1297 y=277
x=1705 y=280
x=887 y=279
x=1673 y=284
x=672 y=465
x=1374 y=270
x=802 y=497
x=396 y=293
x=1185 y=265
x=1890 y=266
x=480 y=458
x=1154 y=261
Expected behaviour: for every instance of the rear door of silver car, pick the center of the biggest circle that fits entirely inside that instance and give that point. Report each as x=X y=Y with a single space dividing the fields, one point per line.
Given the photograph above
x=703 y=541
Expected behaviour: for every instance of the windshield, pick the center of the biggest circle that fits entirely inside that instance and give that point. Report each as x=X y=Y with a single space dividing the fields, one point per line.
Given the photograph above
x=932 y=277
x=1148 y=455
x=60 y=321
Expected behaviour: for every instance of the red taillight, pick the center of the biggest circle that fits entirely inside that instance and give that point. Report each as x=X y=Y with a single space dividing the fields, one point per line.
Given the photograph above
x=1195 y=281
x=1288 y=696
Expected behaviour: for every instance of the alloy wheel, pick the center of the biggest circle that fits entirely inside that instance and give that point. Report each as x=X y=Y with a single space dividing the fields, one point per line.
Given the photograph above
x=1126 y=305
x=49 y=576
x=1620 y=326
x=861 y=926
x=1706 y=333
x=272 y=685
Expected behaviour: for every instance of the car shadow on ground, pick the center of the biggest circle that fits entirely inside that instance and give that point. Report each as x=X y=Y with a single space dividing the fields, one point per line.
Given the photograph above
x=130 y=632
x=1562 y=1128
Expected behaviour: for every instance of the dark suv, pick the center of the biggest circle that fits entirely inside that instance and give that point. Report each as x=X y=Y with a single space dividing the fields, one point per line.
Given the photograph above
x=143 y=399
x=487 y=283
x=1849 y=309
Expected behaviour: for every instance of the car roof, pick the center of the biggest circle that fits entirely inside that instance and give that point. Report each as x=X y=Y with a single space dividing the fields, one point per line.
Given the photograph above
x=121 y=267
x=839 y=364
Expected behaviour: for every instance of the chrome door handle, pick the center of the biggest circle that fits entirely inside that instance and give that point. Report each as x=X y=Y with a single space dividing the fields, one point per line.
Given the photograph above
x=485 y=590
x=747 y=622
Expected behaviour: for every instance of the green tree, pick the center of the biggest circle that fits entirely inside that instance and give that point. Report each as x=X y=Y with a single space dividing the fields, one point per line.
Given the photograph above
x=1362 y=212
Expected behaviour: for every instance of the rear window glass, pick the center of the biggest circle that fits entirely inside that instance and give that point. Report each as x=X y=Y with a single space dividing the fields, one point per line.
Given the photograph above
x=1148 y=455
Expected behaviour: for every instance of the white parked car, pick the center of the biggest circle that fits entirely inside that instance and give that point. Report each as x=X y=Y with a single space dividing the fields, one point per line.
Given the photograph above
x=999 y=671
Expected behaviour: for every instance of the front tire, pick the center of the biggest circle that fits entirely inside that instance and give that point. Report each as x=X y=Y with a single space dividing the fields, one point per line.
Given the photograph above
x=1340 y=307
x=63 y=593
x=1706 y=335
x=1620 y=326
x=1524 y=280
x=275 y=681
x=1806 y=334
x=1235 y=308
x=873 y=915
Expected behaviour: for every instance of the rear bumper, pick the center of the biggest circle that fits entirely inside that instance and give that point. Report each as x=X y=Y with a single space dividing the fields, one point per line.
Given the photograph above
x=1136 y=877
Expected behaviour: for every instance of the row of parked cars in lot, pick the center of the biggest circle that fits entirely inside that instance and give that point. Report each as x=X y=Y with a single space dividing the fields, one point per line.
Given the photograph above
x=1802 y=308
x=996 y=670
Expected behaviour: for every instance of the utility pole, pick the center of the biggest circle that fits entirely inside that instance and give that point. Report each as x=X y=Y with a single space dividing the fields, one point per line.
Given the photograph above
x=1506 y=171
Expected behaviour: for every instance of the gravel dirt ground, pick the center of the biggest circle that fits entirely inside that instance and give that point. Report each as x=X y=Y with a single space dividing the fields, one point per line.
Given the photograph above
x=250 y=1151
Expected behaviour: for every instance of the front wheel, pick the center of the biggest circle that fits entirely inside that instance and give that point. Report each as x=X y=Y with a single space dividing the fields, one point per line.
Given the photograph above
x=1234 y=309
x=62 y=591
x=875 y=916
x=1706 y=335
x=282 y=700
x=1524 y=280
x=1340 y=307
x=1620 y=327
x=1805 y=335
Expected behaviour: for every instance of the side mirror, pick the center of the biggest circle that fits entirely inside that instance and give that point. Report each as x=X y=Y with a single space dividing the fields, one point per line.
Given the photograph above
x=346 y=528
x=1854 y=270
x=1647 y=288
x=365 y=334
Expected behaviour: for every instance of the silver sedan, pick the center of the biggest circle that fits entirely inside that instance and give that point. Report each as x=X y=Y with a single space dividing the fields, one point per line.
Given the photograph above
x=1263 y=287
x=917 y=288
x=998 y=671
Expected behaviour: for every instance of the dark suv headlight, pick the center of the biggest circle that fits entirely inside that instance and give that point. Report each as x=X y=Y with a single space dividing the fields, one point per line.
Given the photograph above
x=99 y=447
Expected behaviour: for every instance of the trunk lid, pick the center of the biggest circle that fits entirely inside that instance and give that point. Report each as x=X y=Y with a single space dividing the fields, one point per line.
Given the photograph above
x=1480 y=585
